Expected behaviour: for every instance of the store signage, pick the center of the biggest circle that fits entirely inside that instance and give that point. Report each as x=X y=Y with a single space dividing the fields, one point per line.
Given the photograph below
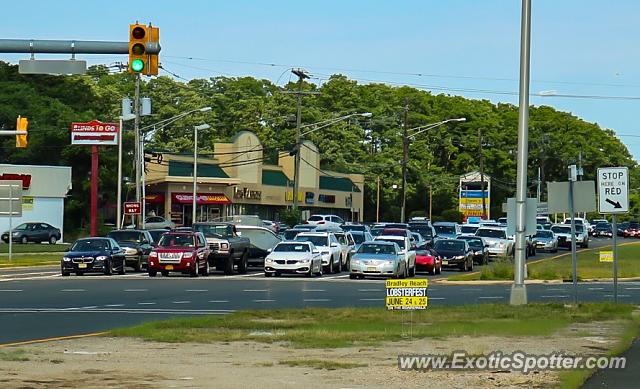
x=406 y=294
x=246 y=193
x=606 y=256
x=329 y=199
x=25 y=178
x=156 y=198
x=309 y=197
x=132 y=208
x=94 y=133
x=289 y=196
x=209 y=198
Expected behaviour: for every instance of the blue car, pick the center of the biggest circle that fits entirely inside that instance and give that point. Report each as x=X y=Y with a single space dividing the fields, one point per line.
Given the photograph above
x=379 y=258
x=97 y=255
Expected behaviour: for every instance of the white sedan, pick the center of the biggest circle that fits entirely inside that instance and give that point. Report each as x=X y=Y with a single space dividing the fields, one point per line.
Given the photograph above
x=293 y=258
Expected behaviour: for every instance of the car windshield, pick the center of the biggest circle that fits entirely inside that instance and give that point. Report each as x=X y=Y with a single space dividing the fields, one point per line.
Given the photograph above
x=561 y=229
x=603 y=226
x=90 y=245
x=579 y=228
x=423 y=253
x=469 y=229
x=544 y=234
x=474 y=242
x=577 y=221
x=208 y=230
x=372 y=248
x=445 y=230
x=176 y=240
x=489 y=233
x=315 y=218
x=156 y=234
x=317 y=240
x=126 y=236
x=449 y=245
x=425 y=231
x=377 y=231
x=291 y=234
x=352 y=227
x=342 y=238
x=399 y=242
x=22 y=226
x=291 y=247
x=358 y=237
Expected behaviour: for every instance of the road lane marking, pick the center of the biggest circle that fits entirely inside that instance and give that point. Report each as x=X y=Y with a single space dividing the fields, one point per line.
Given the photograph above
x=263 y=301
x=196 y=290
x=369 y=290
x=218 y=301
x=555 y=296
x=255 y=290
x=146 y=303
x=620 y=295
x=114 y=305
x=556 y=290
x=596 y=288
x=73 y=290
x=632 y=288
x=182 y=302
x=11 y=290
x=491 y=297
x=51 y=339
x=436 y=298
x=313 y=300
x=136 y=290
x=314 y=290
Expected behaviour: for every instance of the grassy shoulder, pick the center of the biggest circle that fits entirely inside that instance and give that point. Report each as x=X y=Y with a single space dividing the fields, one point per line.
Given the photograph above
x=34 y=248
x=344 y=327
x=559 y=267
x=19 y=260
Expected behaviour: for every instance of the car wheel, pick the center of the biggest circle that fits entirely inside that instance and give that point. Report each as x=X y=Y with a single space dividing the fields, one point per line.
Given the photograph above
x=65 y=273
x=309 y=273
x=432 y=272
x=352 y=276
x=319 y=273
x=267 y=274
x=412 y=272
x=339 y=265
x=24 y=240
x=79 y=273
x=439 y=270
x=138 y=265
x=228 y=265
x=123 y=268
x=485 y=260
x=205 y=271
x=464 y=266
x=153 y=273
x=244 y=263
x=108 y=268
x=277 y=274
x=330 y=266
x=52 y=240
x=164 y=273
x=471 y=265
x=194 y=271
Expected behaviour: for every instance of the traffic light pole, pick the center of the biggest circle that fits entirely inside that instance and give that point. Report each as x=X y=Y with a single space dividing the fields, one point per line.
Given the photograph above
x=93 y=216
x=136 y=128
x=34 y=46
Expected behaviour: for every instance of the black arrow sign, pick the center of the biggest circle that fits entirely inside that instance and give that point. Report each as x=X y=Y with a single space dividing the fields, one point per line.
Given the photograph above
x=615 y=205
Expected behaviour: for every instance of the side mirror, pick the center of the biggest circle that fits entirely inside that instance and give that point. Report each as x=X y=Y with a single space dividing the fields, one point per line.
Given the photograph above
x=334 y=245
x=486 y=246
x=269 y=251
x=315 y=251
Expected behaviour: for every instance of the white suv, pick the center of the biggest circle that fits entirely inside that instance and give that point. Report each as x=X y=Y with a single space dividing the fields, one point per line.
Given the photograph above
x=325 y=221
x=405 y=248
x=329 y=247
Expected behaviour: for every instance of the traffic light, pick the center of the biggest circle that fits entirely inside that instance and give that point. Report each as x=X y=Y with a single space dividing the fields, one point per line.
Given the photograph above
x=138 y=58
x=21 y=125
x=154 y=38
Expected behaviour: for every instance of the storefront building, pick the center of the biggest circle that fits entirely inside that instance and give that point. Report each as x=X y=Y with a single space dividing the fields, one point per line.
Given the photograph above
x=44 y=189
x=237 y=182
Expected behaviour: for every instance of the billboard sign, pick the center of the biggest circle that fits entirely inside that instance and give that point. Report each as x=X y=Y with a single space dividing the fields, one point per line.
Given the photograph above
x=94 y=133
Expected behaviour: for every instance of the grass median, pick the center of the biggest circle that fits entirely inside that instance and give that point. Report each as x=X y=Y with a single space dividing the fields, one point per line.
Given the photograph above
x=19 y=260
x=559 y=267
x=19 y=248
x=344 y=327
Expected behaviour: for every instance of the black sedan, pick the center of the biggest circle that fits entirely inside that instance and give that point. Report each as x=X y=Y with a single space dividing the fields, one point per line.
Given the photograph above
x=476 y=243
x=603 y=229
x=97 y=255
x=33 y=232
x=136 y=244
x=455 y=253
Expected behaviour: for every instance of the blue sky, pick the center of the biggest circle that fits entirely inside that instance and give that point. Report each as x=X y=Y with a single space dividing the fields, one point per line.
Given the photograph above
x=579 y=47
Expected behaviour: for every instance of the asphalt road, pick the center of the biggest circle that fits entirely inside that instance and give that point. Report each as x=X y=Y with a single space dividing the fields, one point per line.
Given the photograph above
x=39 y=303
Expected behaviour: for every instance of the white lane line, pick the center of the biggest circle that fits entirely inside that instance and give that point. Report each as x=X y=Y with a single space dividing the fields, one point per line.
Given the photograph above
x=182 y=302
x=136 y=290
x=620 y=295
x=312 y=300
x=555 y=296
x=369 y=290
x=146 y=303
x=114 y=305
x=342 y=276
x=632 y=288
x=436 y=298
x=371 y=299
x=556 y=290
x=596 y=288
x=89 y=307
x=263 y=301
x=491 y=297
x=73 y=290
x=218 y=301
x=314 y=290
x=197 y=290
x=28 y=274
x=10 y=290
x=255 y=290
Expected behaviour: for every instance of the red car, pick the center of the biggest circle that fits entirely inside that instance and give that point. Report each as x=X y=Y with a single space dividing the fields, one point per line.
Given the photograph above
x=428 y=260
x=184 y=252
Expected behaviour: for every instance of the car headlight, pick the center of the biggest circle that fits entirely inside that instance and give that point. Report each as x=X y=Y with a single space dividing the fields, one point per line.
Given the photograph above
x=459 y=257
x=501 y=245
x=224 y=246
x=153 y=254
x=268 y=260
x=325 y=253
x=187 y=255
x=477 y=252
x=355 y=262
x=16 y=233
x=305 y=260
x=66 y=259
x=102 y=258
x=388 y=262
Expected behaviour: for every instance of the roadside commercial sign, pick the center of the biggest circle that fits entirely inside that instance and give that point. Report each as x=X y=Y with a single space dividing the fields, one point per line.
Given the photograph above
x=406 y=294
x=11 y=198
x=606 y=256
x=132 y=208
x=94 y=133
x=613 y=190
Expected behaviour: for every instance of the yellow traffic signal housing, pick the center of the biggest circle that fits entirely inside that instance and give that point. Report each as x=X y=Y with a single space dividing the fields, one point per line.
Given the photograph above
x=21 y=125
x=138 y=58
x=154 y=37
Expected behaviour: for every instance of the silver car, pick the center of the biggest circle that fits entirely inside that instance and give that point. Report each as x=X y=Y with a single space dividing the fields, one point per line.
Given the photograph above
x=379 y=258
x=293 y=258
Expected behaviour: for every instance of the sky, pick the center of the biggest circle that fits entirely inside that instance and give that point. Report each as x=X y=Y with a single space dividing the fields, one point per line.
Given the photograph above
x=585 y=50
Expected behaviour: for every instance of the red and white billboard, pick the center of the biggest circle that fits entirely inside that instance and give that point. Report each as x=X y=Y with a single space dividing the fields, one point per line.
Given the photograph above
x=132 y=208
x=94 y=133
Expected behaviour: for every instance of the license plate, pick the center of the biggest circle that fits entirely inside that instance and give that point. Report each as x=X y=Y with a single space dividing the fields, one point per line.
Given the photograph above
x=82 y=266
x=445 y=262
x=370 y=268
x=168 y=267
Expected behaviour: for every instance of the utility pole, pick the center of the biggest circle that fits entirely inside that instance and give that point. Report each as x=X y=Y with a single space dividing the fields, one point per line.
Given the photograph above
x=538 y=190
x=296 y=167
x=482 y=191
x=378 y=201
x=136 y=128
x=405 y=160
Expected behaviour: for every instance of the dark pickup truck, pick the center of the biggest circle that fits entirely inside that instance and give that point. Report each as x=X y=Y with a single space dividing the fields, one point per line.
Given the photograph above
x=226 y=247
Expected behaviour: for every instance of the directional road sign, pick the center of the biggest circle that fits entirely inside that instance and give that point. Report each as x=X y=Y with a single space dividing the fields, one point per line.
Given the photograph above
x=613 y=190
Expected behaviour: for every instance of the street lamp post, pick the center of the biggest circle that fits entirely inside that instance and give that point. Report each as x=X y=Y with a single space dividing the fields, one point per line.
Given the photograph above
x=195 y=167
x=299 y=135
x=405 y=156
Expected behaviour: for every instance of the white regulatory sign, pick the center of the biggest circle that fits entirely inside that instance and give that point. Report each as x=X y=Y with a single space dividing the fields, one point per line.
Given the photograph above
x=613 y=190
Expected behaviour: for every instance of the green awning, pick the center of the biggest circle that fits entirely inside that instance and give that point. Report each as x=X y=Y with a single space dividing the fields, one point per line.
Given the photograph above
x=338 y=183
x=274 y=178
x=185 y=169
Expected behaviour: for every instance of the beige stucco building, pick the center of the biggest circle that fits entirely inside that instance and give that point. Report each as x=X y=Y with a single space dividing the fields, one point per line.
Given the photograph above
x=235 y=181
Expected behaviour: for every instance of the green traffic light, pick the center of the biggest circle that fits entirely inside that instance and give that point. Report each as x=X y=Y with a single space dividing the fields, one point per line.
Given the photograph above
x=137 y=65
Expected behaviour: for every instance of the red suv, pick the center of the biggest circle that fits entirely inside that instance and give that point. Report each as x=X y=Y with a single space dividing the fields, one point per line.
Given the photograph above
x=184 y=252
